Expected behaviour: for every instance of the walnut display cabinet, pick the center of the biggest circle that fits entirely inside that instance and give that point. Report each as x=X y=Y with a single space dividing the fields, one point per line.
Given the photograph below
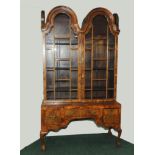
x=79 y=70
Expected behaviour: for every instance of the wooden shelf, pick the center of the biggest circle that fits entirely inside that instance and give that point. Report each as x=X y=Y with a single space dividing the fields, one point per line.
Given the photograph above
x=62 y=89
x=62 y=80
x=74 y=89
x=100 y=38
x=95 y=89
x=88 y=49
x=49 y=69
x=62 y=59
x=49 y=90
x=62 y=36
x=74 y=49
x=74 y=69
x=61 y=68
x=100 y=59
x=88 y=89
x=89 y=69
x=99 y=79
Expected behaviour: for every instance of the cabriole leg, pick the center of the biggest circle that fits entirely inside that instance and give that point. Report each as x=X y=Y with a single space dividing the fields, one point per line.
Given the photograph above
x=118 y=143
x=42 y=140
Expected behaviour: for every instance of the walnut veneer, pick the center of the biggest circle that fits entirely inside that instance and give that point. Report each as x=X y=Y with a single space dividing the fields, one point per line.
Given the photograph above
x=79 y=70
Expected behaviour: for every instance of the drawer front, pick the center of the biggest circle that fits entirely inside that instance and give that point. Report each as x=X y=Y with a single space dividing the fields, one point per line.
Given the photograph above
x=53 y=116
x=81 y=113
x=111 y=116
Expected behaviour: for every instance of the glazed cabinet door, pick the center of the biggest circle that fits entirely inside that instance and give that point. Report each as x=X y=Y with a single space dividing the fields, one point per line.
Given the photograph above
x=61 y=60
x=99 y=60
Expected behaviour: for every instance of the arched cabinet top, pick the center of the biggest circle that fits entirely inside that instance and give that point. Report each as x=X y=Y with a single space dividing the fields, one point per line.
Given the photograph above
x=46 y=26
x=112 y=20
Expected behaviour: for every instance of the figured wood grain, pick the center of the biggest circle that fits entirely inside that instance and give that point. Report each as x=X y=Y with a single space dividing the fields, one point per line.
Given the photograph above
x=58 y=113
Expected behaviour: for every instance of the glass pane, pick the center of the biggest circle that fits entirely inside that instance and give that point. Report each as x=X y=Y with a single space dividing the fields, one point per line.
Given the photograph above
x=100 y=26
x=49 y=46
x=62 y=74
x=50 y=95
x=100 y=49
x=49 y=38
x=99 y=94
x=62 y=86
x=62 y=95
x=111 y=40
x=99 y=85
x=62 y=48
x=50 y=78
x=87 y=79
x=87 y=59
x=74 y=94
x=62 y=64
x=100 y=64
x=110 y=93
x=62 y=90
x=99 y=74
x=111 y=59
x=62 y=24
x=111 y=79
x=87 y=94
x=74 y=79
x=74 y=61
x=49 y=59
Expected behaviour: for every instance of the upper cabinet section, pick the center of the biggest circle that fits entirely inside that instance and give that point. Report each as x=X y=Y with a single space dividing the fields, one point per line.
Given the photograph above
x=79 y=63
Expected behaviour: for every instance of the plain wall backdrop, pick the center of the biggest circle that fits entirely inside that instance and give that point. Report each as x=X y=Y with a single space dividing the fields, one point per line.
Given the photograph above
x=32 y=69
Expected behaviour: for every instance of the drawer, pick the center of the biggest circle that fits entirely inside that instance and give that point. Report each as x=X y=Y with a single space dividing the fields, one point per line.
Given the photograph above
x=81 y=113
x=111 y=116
x=72 y=113
x=53 y=116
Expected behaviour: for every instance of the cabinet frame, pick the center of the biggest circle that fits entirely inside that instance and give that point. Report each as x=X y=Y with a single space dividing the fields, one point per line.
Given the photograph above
x=57 y=114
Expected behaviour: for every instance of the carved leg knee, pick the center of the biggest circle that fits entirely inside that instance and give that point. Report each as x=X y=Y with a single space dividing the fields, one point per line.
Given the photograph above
x=42 y=140
x=118 y=137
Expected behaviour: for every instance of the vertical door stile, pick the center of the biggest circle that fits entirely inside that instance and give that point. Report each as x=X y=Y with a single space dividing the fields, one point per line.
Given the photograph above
x=54 y=47
x=70 y=58
x=44 y=66
x=81 y=65
x=115 y=65
x=92 y=59
x=107 y=62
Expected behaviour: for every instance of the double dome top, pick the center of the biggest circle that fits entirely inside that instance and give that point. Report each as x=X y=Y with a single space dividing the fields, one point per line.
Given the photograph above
x=111 y=18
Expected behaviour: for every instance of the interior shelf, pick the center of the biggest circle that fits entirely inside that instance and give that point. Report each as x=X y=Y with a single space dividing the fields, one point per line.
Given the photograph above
x=61 y=68
x=98 y=79
x=88 y=49
x=62 y=36
x=62 y=89
x=62 y=59
x=89 y=69
x=100 y=59
x=62 y=80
